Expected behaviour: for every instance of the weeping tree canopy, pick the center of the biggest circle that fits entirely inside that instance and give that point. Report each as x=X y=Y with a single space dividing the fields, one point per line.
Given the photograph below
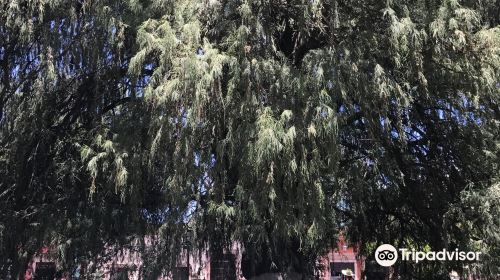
x=271 y=123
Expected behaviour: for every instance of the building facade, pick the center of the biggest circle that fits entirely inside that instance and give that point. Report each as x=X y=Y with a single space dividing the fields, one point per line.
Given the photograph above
x=340 y=263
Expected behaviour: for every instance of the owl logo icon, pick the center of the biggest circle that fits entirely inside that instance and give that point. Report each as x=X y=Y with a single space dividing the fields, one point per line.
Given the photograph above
x=386 y=255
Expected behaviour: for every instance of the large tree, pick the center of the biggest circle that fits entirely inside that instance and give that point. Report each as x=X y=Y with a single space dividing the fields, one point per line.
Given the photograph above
x=273 y=123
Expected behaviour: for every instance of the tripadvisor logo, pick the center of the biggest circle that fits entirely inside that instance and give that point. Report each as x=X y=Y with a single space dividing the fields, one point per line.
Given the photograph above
x=387 y=255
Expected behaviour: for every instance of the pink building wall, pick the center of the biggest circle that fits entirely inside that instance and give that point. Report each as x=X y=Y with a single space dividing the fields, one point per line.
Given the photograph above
x=343 y=253
x=199 y=266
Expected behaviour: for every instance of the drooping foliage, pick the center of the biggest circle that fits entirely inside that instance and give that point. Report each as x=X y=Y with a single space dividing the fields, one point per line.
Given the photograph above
x=272 y=123
x=63 y=78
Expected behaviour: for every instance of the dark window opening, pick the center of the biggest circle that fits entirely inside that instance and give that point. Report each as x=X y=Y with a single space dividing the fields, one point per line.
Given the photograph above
x=223 y=268
x=45 y=271
x=180 y=273
x=337 y=267
x=119 y=272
